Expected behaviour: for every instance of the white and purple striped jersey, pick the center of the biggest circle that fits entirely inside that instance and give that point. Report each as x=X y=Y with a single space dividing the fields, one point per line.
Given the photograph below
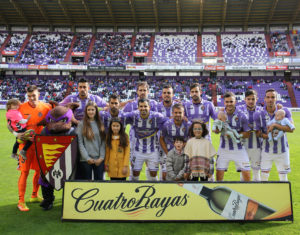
x=79 y=112
x=170 y=130
x=239 y=122
x=274 y=147
x=106 y=117
x=202 y=111
x=132 y=106
x=253 y=142
x=145 y=130
x=166 y=111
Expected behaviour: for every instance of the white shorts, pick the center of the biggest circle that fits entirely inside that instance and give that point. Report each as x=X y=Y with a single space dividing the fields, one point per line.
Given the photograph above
x=254 y=158
x=139 y=158
x=240 y=158
x=282 y=162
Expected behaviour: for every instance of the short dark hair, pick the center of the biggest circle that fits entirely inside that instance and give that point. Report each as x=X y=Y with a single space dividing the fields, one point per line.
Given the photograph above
x=144 y=100
x=167 y=86
x=250 y=92
x=142 y=84
x=114 y=96
x=229 y=94
x=178 y=138
x=194 y=85
x=177 y=106
x=204 y=128
x=270 y=90
x=83 y=80
x=32 y=88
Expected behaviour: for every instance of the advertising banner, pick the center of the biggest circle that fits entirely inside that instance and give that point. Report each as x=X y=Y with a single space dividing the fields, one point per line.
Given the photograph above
x=78 y=53
x=148 y=201
x=245 y=67
x=282 y=53
x=210 y=54
x=3 y=66
x=213 y=67
x=37 y=67
x=9 y=53
x=17 y=66
x=140 y=54
x=294 y=67
x=276 y=67
x=67 y=67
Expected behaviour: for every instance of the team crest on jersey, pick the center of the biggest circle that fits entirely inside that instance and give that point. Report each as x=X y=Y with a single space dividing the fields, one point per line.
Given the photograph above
x=150 y=121
x=40 y=114
x=183 y=129
x=236 y=119
x=202 y=107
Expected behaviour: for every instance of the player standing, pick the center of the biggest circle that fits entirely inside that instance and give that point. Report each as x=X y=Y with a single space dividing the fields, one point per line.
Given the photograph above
x=83 y=97
x=228 y=150
x=275 y=151
x=145 y=125
x=38 y=111
x=253 y=143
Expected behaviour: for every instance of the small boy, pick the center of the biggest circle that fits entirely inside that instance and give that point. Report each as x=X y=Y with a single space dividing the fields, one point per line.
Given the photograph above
x=18 y=124
x=281 y=120
x=225 y=129
x=177 y=162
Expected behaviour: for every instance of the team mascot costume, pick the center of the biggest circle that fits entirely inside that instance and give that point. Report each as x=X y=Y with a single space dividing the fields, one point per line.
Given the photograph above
x=58 y=122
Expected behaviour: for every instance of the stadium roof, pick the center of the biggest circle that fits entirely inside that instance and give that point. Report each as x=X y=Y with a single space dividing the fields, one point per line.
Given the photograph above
x=149 y=12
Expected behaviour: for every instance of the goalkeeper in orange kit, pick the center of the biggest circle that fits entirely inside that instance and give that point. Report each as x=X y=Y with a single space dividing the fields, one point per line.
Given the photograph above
x=38 y=111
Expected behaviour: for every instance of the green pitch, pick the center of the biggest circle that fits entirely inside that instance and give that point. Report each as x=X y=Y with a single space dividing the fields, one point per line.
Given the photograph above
x=37 y=221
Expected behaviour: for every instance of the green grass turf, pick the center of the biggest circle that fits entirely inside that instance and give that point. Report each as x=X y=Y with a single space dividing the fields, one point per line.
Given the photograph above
x=37 y=221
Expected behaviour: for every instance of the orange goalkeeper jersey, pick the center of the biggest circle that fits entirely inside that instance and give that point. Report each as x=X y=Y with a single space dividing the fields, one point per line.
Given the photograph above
x=37 y=114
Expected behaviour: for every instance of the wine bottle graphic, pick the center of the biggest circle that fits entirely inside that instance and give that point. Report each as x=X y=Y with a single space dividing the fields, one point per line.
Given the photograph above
x=230 y=204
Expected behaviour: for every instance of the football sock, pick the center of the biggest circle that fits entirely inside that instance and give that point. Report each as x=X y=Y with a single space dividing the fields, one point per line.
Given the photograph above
x=147 y=173
x=22 y=185
x=241 y=177
x=283 y=177
x=35 y=184
x=255 y=175
x=152 y=178
x=135 y=178
x=264 y=176
x=130 y=174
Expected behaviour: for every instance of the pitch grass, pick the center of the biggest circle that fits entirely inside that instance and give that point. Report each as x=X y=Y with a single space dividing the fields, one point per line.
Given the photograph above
x=37 y=221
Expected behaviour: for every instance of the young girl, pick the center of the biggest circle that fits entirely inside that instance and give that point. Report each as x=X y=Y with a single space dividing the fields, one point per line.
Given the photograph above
x=200 y=152
x=91 y=141
x=18 y=124
x=117 y=151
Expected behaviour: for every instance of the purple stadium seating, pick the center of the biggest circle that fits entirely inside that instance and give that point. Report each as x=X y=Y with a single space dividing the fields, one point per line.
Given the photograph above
x=175 y=49
x=82 y=42
x=111 y=49
x=244 y=48
x=46 y=48
x=209 y=43
x=16 y=41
